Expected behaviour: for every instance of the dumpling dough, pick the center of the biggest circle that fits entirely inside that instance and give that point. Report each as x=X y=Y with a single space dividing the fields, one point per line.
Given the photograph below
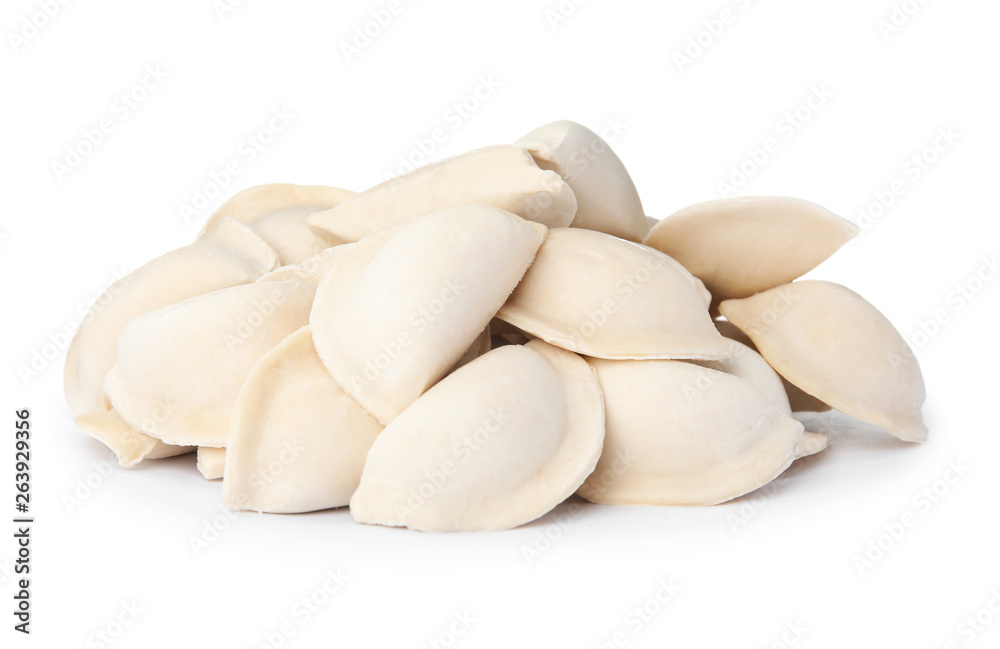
x=229 y=255
x=128 y=444
x=499 y=176
x=602 y=296
x=681 y=434
x=741 y=246
x=211 y=462
x=798 y=400
x=498 y=443
x=836 y=346
x=254 y=203
x=298 y=441
x=606 y=197
x=180 y=368
x=397 y=310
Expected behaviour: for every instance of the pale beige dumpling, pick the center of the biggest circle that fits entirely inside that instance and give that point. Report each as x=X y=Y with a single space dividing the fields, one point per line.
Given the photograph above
x=505 y=177
x=129 y=445
x=681 y=434
x=750 y=366
x=397 y=310
x=298 y=441
x=606 y=197
x=287 y=231
x=312 y=269
x=602 y=296
x=229 y=255
x=798 y=400
x=741 y=246
x=836 y=346
x=254 y=203
x=495 y=445
x=180 y=368
x=211 y=462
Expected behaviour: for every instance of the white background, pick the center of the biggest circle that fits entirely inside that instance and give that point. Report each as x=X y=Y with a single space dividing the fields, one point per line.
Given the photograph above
x=64 y=237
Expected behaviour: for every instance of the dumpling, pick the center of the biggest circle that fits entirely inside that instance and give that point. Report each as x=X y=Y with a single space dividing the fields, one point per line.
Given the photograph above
x=253 y=203
x=505 y=177
x=602 y=296
x=211 y=462
x=395 y=313
x=836 y=346
x=180 y=368
x=798 y=400
x=229 y=255
x=298 y=441
x=741 y=246
x=495 y=445
x=606 y=197
x=128 y=444
x=287 y=231
x=681 y=434
x=750 y=366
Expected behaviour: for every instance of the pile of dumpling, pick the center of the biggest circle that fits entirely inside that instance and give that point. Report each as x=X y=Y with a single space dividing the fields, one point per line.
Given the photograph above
x=467 y=345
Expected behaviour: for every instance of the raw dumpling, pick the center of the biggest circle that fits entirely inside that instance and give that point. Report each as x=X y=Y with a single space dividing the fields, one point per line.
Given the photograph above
x=750 y=366
x=128 y=444
x=606 y=197
x=287 y=232
x=602 y=296
x=311 y=270
x=741 y=246
x=229 y=255
x=253 y=203
x=298 y=441
x=798 y=400
x=180 y=368
x=211 y=462
x=499 y=176
x=832 y=343
x=498 y=443
x=681 y=434
x=395 y=313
